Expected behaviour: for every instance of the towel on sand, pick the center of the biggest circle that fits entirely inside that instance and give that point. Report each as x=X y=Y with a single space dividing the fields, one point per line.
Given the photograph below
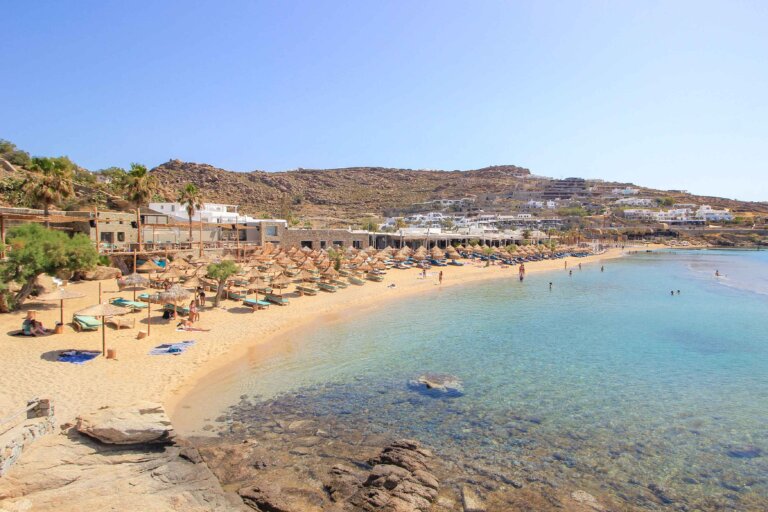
x=171 y=348
x=77 y=356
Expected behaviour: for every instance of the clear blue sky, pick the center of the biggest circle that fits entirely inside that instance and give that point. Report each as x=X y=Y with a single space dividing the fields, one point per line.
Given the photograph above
x=672 y=94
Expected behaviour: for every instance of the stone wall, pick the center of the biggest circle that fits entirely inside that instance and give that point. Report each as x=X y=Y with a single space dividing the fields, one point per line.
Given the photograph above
x=324 y=238
x=39 y=422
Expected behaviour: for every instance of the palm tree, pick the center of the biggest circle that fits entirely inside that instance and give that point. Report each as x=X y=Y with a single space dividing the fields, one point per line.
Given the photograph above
x=191 y=198
x=50 y=183
x=141 y=187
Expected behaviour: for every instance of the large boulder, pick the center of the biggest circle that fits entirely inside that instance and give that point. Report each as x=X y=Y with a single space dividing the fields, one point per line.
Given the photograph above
x=100 y=273
x=140 y=423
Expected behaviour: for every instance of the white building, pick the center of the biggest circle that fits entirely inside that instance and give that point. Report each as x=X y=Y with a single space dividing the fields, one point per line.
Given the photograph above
x=709 y=214
x=634 y=201
x=210 y=212
x=628 y=191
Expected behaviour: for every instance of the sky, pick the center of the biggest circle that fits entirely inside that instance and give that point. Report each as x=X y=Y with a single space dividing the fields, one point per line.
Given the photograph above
x=668 y=94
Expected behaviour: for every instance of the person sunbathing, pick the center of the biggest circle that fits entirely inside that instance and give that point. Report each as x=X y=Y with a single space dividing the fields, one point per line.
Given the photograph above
x=186 y=325
x=31 y=327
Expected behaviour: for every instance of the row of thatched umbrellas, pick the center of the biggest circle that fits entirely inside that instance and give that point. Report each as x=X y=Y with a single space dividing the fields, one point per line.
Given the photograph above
x=275 y=263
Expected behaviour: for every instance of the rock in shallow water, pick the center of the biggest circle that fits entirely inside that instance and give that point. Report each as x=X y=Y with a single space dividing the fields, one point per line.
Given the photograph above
x=438 y=384
x=140 y=423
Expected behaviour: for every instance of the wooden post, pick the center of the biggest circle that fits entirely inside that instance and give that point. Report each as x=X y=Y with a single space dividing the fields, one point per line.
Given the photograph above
x=2 y=235
x=96 y=225
x=138 y=227
x=201 y=237
x=237 y=240
x=149 y=314
x=99 y=292
x=103 y=338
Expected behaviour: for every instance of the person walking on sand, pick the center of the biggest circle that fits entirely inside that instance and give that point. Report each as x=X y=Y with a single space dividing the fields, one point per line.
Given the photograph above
x=565 y=264
x=194 y=314
x=440 y=277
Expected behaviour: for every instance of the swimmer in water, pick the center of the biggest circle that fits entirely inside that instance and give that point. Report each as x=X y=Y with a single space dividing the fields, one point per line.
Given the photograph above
x=602 y=268
x=717 y=273
x=550 y=286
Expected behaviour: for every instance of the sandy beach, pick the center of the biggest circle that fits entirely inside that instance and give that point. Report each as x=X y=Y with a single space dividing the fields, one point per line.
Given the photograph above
x=29 y=366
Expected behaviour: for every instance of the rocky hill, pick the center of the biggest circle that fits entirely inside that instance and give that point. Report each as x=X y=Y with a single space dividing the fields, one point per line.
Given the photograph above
x=341 y=193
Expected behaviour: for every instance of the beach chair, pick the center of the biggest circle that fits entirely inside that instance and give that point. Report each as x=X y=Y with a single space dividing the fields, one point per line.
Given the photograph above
x=374 y=277
x=339 y=284
x=181 y=310
x=356 y=280
x=276 y=299
x=130 y=304
x=120 y=322
x=85 y=323
x=256 y=304
x=307 y=290
x=231 y=295
x=327 y=287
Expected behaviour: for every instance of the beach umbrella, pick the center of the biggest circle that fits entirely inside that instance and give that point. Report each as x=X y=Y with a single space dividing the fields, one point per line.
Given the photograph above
x=102 y=311
x=305 y=275
x=133 y=282
x=148 y=266
x=174 y=294
x=60 y=294
x=330 y=273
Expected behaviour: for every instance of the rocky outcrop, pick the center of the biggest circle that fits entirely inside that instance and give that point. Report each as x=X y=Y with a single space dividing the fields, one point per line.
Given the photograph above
x=100 y=273
x=140 y=423
x=73 y=473
x=400 y=480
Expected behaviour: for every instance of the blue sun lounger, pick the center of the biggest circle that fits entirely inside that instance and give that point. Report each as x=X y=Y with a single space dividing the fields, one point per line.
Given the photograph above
x=256 y=304
x=130 y=304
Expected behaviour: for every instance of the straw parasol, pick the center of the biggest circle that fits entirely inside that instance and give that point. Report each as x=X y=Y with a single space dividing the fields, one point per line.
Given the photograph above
x=148 y=266
x=101 y=311
x=174 y=294
x=60 y=294
x=133 y=282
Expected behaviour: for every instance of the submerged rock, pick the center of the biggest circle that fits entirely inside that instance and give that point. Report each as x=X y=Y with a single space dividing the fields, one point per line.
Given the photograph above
x=438 y=384
x=140 y=423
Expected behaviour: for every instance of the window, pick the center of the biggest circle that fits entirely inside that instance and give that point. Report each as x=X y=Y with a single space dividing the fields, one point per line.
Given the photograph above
x=338 y=243
x=271 y=231
x=306 y=243
x=322 y=244
x=106 y=236
x=120 y=236
x=356 y=244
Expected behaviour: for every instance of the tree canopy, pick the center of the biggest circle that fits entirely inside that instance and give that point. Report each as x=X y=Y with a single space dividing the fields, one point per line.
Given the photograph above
x=50 y=181
x=191 y=198
x=221 y=272
x=35 y=250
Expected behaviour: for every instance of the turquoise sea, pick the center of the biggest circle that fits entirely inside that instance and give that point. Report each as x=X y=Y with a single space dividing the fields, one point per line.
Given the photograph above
x=606 y=382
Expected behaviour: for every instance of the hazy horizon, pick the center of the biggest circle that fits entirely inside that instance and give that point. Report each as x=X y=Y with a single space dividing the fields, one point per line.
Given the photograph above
x=668 y=96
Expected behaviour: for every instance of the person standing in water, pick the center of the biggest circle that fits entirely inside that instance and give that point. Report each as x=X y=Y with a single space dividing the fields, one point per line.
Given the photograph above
x=579 y=266
x=602 y=268
x=550 y=286
x=570 y=273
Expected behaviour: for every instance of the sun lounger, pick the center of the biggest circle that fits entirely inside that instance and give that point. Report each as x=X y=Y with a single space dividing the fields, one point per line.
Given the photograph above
x=85 y=323
x=171 y=348
x=235 y=295
x=356 y=280
x=327 y=287
x=307 y=290
x=130 y=304
x=374 y=277
x=276 y=299
x=339 y=284
x=256 y=304
x=182 y=310
x=120 y=322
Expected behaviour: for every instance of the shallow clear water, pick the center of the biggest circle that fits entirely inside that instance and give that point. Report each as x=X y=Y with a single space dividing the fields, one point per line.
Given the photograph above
x=607 y=381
